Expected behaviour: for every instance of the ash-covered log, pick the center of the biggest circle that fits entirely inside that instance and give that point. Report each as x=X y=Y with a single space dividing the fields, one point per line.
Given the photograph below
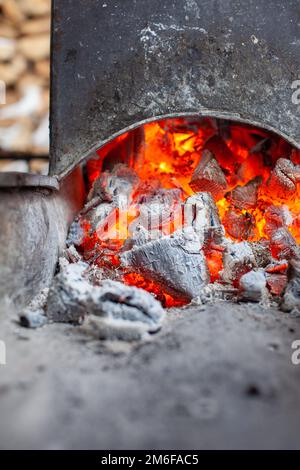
x=68 y=295
x=209 y=177
x=140 y=237
x=157 y=209
x=283 y=245
x=276 y=283
x=216 y=292
x=201 y=213
x=291 y=298
x=72 y=255
x=33 y=316
x=175 y=262
x=121 y=309
x=262 y=253
x=124 y=312
x=238 y=259
x=99 y=216
x=121 y=182
x=76 y=234
x=276 y=217
x=253 y=286
x=283 y=180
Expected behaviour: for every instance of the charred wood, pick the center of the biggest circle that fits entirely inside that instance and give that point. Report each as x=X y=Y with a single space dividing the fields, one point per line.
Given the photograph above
x=201 y=213
x=239 y=225
x=283 y=180
x=222 y=153
x=238 y=260
x=157 y=210
x=119 y=307
x=253 y=286
x=283 y=245
x=68 y=295
x=120 y=183
x=262 y=253
x=291 y=298
x=209 y=177
x=245 y=197
x=34 y=316
x=175 y=262
x=276 y=217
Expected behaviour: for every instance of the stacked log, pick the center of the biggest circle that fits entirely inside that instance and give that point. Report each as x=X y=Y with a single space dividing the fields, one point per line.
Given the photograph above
x=24 y=70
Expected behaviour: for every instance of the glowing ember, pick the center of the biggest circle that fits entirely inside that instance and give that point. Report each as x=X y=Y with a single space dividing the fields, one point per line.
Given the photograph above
x=252 y=174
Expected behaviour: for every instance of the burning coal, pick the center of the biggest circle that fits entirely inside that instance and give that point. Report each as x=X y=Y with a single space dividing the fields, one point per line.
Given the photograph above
x=179 y=205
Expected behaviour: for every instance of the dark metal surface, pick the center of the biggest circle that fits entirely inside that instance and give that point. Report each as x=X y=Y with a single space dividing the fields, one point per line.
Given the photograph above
x=118 y=63
x=14 y=179
x=34 y=226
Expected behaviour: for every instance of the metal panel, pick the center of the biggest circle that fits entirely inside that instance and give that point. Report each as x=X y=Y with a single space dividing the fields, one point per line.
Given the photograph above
x=118 y=63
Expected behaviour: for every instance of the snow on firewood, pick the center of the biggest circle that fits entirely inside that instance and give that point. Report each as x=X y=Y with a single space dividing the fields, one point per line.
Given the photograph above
x=208 y=176
x=175 y=262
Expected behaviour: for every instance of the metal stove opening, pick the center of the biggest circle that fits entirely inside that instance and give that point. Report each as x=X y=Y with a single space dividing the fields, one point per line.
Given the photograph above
x=192 y=209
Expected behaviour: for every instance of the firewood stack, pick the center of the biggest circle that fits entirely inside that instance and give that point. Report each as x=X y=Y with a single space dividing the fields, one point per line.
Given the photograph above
x=24 y=69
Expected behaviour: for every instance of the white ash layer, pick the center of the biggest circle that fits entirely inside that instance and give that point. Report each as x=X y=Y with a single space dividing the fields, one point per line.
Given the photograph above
x=291 y=298
x=176 y=262
x=33 y=316
x=72 y=297
x=69 y=294
x=253 y=286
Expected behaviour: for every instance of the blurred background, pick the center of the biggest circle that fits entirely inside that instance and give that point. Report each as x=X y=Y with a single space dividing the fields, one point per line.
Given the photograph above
x=24 y=69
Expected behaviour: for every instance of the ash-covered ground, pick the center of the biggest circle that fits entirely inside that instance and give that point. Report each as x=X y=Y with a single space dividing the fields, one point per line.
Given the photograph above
x=216 y=376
